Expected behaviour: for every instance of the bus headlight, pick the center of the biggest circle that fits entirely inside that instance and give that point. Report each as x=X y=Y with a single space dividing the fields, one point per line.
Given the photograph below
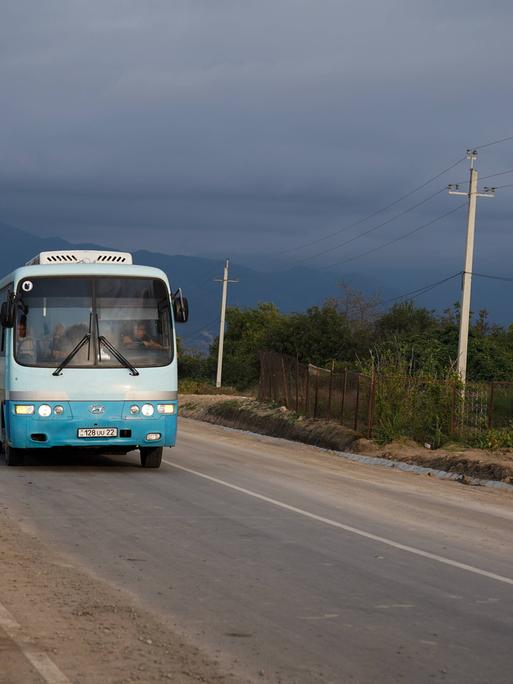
x=147 y=410
x=44 y=410
x=168 y=409
x=24 y=409
x=58 y=410
x=134 y=410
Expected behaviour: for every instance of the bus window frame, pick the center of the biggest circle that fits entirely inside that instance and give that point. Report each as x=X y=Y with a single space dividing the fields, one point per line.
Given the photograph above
x=97 y=365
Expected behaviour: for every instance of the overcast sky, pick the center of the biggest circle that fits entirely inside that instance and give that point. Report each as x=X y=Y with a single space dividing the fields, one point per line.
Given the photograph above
x=244 y=128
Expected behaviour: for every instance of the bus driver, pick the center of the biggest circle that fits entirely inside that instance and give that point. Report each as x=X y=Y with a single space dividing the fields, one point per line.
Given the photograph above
x=26 y=345
x=140 y=338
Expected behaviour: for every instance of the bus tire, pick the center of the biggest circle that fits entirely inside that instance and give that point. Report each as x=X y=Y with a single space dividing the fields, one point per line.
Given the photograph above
x=151 y=457
x=13 y=457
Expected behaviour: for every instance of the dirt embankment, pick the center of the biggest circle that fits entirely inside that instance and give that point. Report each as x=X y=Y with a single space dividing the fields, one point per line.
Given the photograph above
x=244 y=413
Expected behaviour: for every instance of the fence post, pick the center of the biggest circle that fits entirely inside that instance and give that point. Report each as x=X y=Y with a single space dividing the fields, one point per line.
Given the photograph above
x=307 y=391
x=344 y=387
x=330 y=388
x=316 y=392
x=270 y=377
x=297 y=384
x=285 y=382
x=453 y=409
x=372 y=397
x=261 y=378
x=491 y=398
x=357 y=402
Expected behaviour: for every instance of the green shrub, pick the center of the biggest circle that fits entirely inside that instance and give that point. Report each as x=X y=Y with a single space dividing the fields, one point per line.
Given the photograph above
x=417 y=406
x=491 y=440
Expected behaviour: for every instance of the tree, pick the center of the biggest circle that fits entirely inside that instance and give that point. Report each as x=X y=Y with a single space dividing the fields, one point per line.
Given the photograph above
x=247 y=333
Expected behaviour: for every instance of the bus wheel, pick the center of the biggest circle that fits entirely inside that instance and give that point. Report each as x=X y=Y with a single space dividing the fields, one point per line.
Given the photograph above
x=13 y=457
x=151 y=457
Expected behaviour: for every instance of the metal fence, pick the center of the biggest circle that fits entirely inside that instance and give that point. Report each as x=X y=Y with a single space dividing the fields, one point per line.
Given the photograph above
x=364 y=403
x=488 y=406
x=347 y=396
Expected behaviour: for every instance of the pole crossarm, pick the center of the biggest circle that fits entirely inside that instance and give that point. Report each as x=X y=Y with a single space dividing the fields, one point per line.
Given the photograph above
x=477 y=194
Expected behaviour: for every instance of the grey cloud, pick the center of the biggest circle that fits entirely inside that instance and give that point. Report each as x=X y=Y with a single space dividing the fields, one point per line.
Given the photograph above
x=242 y=125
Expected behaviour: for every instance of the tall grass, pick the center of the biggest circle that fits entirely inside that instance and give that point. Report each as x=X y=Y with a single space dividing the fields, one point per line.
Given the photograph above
x=422 y=407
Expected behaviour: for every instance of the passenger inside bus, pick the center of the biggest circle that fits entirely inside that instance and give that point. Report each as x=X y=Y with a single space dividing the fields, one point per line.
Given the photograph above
x=140 y=338
x=26 y=346
x=58 y=347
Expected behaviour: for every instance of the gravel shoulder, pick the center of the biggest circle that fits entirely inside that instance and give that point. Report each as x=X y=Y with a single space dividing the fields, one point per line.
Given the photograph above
x=245 y=413
x=91 y=630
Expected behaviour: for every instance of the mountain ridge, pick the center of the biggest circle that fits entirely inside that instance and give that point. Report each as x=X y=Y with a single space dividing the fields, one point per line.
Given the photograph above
x=295 y=289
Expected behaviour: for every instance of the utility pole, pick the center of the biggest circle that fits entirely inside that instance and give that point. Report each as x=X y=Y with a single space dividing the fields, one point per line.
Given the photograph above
x=466 y=282
x=225 y=282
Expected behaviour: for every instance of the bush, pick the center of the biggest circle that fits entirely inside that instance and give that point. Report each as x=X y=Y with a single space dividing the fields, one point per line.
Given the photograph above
x=192 y=386
x=492 y=439
x=193 y=365
x=416 y=406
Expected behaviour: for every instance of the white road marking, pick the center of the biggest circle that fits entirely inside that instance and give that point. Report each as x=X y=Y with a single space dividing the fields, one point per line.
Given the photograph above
x=39 y=660
x=348 y=528
x=395 y=605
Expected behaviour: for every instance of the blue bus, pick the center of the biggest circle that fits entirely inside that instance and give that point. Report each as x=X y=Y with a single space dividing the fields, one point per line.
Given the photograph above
x=88 y=356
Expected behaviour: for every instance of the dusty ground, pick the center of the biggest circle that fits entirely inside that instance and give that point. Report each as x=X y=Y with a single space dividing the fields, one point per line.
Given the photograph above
x=93 y=632
x=247 y=414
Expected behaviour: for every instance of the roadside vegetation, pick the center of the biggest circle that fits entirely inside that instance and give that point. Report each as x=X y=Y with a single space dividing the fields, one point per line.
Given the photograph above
x=411 y=349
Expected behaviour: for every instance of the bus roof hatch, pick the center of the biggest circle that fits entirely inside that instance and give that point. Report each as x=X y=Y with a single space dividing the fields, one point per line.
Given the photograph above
x=81 y=256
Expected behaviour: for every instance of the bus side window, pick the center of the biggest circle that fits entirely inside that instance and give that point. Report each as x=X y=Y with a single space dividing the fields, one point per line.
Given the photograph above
x=4 y=294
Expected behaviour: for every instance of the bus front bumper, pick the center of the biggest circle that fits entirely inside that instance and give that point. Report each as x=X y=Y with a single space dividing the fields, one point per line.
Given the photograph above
x=34 y=431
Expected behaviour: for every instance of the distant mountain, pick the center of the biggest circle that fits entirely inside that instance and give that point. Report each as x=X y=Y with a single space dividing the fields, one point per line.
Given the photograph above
x=295 y=289
x=292 y=290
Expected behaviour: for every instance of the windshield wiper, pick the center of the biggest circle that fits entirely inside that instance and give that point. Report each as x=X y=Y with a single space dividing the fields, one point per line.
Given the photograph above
x=77 y=348
x=72 y=354
x=117 y=354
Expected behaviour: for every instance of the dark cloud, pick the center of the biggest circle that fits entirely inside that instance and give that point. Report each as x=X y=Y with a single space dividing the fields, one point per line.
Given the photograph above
x=248 y=127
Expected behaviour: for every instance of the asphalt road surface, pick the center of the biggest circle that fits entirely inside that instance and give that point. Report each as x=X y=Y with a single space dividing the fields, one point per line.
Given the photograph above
x=287 y=563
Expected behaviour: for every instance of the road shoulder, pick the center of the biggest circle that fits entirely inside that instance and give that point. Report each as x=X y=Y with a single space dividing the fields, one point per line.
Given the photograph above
x=244 y=413
x=89 y=629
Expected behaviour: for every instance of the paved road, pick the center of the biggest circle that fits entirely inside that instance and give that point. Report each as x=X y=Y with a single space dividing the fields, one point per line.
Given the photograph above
x=289 y=564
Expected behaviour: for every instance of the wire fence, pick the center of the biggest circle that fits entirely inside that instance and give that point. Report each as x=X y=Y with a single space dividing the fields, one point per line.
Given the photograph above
x=389 y=405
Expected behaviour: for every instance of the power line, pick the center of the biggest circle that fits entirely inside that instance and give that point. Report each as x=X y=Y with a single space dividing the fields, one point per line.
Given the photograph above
x=388 y=206
x=374 y=213
x=494 y=142
x=422 y=290
x=370 y=230
x=501 y=173
x=412 y=294
x=397 y=239
x=384 y=223
x=492 y=277
x=431 y=286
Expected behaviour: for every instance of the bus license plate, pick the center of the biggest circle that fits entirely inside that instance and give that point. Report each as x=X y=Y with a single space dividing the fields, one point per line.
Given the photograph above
x=97 y=432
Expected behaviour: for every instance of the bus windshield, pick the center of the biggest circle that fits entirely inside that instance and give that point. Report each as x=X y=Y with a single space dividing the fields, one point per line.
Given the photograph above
x=131 y=314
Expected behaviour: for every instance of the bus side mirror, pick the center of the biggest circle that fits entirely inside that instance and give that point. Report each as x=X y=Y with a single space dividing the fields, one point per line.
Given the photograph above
x=7 y=312
x=180 y=307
